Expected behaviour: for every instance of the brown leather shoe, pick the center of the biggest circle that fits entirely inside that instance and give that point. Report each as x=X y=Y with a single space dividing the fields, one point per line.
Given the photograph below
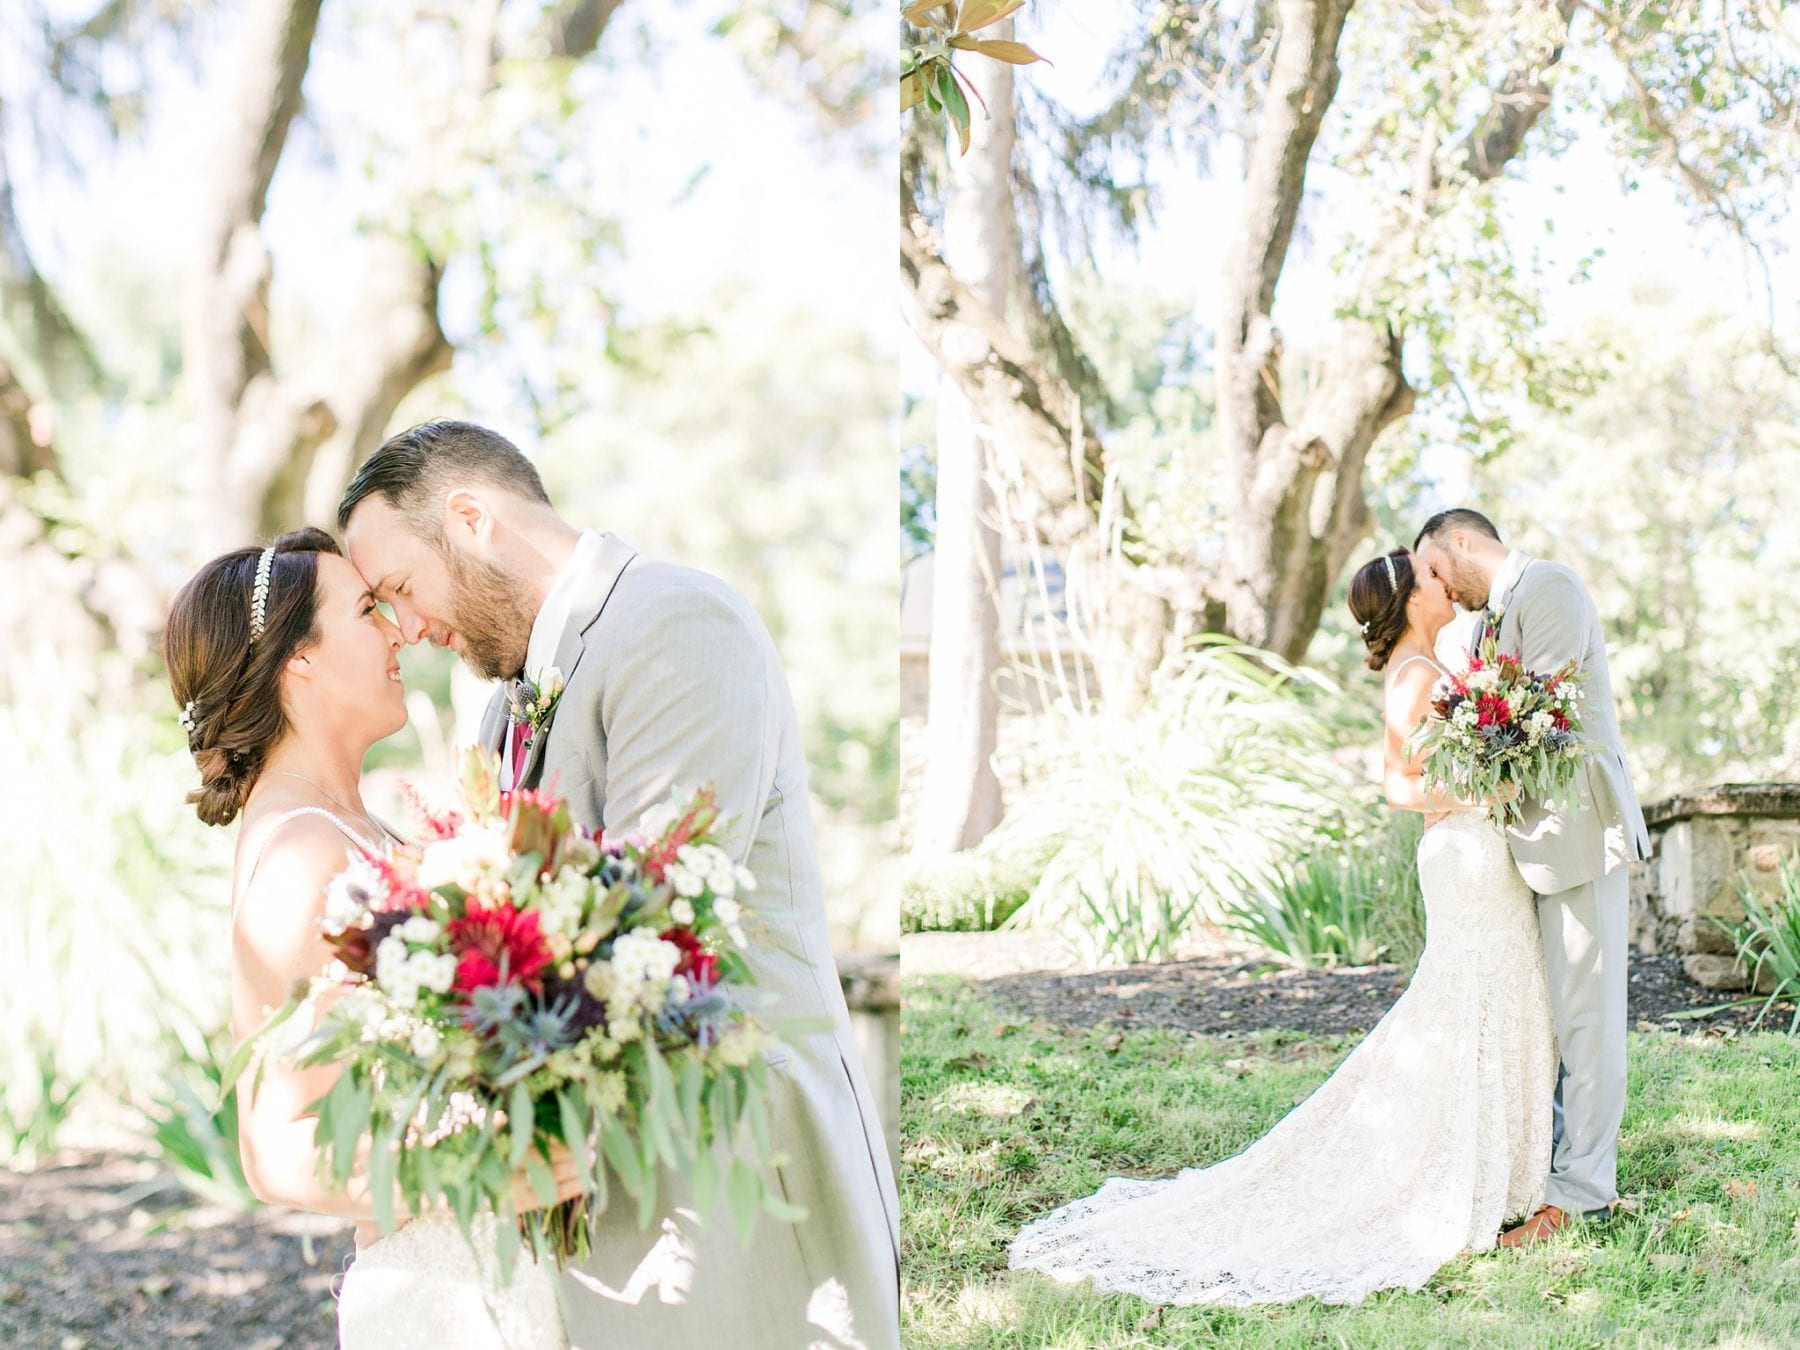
x=1545 y=1224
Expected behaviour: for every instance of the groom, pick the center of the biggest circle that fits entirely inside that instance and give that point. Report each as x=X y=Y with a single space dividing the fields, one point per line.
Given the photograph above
x=669 y=678
x=1574 y=857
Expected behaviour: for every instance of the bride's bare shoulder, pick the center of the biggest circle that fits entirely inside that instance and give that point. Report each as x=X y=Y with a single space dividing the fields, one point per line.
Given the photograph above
x=290 y=858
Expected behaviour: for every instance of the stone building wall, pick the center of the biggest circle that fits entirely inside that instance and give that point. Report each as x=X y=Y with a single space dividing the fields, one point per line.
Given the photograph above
x=1701 y=844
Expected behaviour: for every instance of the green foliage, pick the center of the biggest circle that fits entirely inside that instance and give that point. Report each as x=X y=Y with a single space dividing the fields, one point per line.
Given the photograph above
x=31 y=1120
x=795 y=507
x=195 y=1128
x=1153 y=820
x=1004 y=1121
x=928 y=71
x=1768 y=941
x=972 y=892
x=117 y=919
x=1352 y=903
x=1672 y=491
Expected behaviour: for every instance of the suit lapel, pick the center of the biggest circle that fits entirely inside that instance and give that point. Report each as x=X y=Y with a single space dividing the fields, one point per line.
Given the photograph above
x=492 y=734
x=596 y=589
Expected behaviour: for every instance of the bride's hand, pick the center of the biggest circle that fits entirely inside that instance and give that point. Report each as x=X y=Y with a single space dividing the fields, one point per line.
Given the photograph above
x=562 y=1167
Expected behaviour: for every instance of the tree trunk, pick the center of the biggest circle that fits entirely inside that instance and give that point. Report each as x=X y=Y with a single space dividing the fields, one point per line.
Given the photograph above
x=247 y=424
x=959 y=801
x=1299 y=509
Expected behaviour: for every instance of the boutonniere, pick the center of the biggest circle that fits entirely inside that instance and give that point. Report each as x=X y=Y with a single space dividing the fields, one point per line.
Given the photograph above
x=530 y=702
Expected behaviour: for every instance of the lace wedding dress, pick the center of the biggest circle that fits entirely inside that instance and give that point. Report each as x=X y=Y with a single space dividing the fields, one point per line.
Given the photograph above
x=423 y=1287
x=1430 y=1134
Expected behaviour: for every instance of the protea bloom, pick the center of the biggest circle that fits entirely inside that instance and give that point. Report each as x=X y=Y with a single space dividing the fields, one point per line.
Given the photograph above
x=490 y=939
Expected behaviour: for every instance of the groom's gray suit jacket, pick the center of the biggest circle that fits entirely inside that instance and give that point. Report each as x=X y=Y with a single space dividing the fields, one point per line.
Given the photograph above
x=672 y=680
x=1548 y=619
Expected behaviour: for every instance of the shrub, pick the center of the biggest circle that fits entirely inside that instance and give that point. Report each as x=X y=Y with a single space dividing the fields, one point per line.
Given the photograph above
x=1152 y=821
x=1768 y=941
x=1352 y=903
x=972 y=892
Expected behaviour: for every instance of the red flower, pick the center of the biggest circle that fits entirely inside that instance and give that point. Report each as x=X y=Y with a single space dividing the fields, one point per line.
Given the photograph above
x=1475 y=664
x=434 y=825
x=485 y=937
x=1556 y=716
x=1492 y=711
x=403 y=891
x=698 y=964
x=702 y=814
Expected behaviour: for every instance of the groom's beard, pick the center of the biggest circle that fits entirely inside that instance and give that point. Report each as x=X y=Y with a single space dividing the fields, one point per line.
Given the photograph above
x=1467 y=586
x=486 y=614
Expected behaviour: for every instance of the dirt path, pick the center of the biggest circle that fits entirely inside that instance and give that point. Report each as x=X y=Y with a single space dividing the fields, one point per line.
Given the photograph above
x=97 y=1250
x=1230 y=988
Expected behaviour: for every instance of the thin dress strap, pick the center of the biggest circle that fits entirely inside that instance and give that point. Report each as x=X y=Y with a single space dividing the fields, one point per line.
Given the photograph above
x=275 y=827
x=1409 y=660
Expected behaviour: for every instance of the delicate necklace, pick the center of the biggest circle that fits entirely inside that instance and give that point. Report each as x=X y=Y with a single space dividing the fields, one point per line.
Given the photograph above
x=363 y=815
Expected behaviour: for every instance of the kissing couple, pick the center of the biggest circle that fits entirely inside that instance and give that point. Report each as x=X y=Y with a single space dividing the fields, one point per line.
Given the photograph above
x=288 y=671
x=1493 y=1089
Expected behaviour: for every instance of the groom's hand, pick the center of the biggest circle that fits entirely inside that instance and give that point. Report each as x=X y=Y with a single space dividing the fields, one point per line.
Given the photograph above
x=568 y=1180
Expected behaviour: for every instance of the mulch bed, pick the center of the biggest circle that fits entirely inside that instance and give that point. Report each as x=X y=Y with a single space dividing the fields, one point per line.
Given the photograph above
x=99 y=1250
x=1225 y=994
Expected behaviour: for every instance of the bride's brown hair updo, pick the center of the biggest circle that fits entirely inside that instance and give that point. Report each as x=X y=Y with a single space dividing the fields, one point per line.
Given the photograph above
x=234 y=685
x=1378 y=595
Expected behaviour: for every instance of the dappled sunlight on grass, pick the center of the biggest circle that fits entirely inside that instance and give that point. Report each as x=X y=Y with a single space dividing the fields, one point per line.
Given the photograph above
x=1713 y=1128
x=984 y=1099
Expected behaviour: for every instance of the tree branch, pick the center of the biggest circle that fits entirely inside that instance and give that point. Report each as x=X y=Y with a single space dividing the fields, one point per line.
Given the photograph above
x=1011 y=387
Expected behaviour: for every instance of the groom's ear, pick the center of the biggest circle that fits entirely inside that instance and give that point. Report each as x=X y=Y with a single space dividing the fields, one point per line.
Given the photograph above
x=468 y=518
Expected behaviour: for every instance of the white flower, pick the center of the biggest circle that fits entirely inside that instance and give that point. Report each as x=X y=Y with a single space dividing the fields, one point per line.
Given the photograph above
x=464 y=859
x=658 y=820
x=685 y=880
x=746 y=879
x=580 y=852
x=682 y=911
x=352 y=893
x=426 y=1041
x=436 y=972
x=737 y=936
x=561 y=901
x=390 y=959
x=728 y=911
x=418 y=929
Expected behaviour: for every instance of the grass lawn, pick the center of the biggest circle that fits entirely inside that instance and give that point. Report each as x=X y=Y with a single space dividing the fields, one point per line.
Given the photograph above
x=1003 y=1120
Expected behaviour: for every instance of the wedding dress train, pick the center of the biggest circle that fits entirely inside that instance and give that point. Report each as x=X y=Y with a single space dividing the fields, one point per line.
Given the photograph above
x=1433 y=1131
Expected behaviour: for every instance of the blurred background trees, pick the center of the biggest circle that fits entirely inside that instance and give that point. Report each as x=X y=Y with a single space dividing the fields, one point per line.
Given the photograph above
x=240 y=244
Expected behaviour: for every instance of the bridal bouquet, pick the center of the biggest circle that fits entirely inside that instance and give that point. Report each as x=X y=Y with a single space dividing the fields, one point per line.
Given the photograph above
x=510 y=981
x=1501 y=725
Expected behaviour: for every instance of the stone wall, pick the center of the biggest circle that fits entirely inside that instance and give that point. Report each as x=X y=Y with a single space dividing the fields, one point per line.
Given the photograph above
x=872 y=991
x=1701 y=843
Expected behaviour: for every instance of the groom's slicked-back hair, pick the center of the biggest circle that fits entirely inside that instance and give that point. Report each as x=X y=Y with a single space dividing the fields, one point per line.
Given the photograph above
x=414 y=471
x=1456 y=518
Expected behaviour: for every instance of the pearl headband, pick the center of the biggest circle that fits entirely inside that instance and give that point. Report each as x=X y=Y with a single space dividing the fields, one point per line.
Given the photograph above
x=259 y=598
x=1393 y=585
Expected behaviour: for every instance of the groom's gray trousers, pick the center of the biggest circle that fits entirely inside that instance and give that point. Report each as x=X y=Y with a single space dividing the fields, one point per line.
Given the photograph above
x=1585 y=954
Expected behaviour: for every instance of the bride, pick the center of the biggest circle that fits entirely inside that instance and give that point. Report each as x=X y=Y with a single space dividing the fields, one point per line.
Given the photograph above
x=1433 y=1131
x=287 y=673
